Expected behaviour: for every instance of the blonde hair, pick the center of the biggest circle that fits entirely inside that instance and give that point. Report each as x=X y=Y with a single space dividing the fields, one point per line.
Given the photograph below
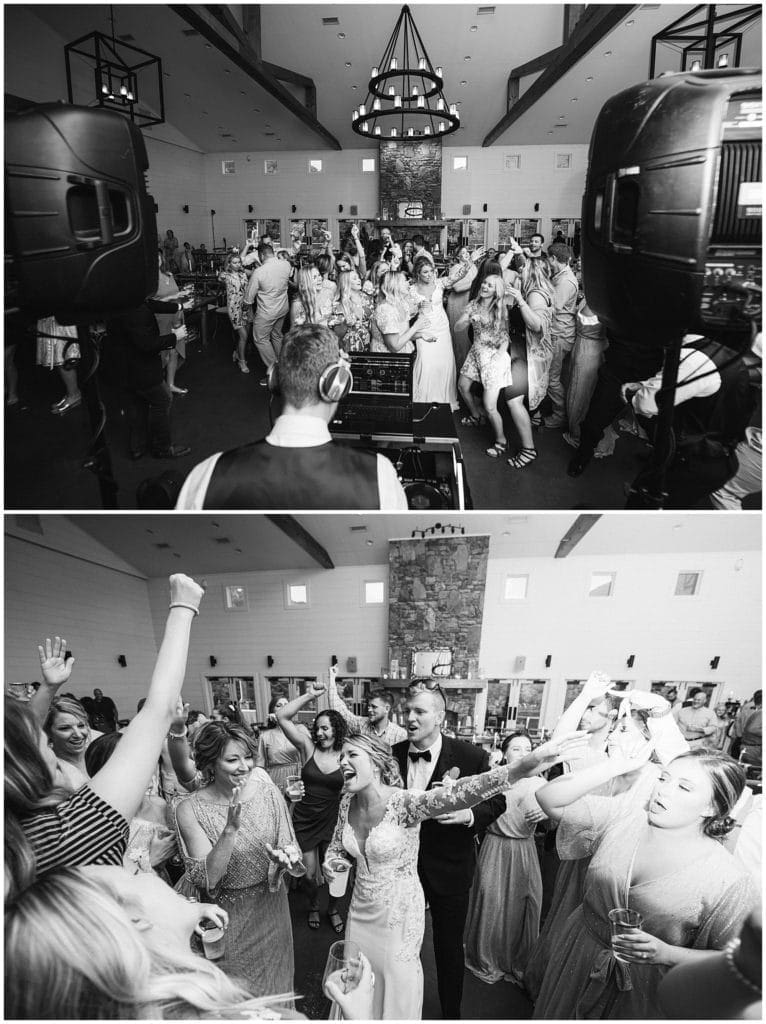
x=380 y=754
x=350 y=303
x=394 y=289
x=307 y=294
x=496 y=307
x=534 y=278
x=74 y=947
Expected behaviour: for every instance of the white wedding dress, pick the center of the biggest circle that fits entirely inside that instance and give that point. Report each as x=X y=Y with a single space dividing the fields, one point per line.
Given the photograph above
x=435 y=374
x=387 y=913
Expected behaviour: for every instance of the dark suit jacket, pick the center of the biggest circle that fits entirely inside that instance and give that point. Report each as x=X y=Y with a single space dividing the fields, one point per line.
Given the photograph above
x=447 y=856
x=135 y=343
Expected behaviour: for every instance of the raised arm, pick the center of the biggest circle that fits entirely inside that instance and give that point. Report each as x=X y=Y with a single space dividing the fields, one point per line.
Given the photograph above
x=285 y=717
x=56 y=669
x=360 y=251
x=595 y=687
x=338 y=704
x=473 y=789
x=124 y=778
x=555 y=796
x=178 y=749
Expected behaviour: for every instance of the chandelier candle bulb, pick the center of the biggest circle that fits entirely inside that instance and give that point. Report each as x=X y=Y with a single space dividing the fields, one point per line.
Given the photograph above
x=373 y=73
x=440 y=104
x=362 y=110
x=391 y=90
x=397 y=101
x=376 y=104
x=394 y=65
x=439 y=73
x=365 y=126
x=442 y=126
x=421 y=102
x=422 y=64
x=393 y=133
x=427 y=130
x=377 y=130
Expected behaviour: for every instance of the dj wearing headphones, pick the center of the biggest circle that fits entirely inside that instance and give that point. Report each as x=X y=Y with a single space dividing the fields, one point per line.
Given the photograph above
x=299 y=465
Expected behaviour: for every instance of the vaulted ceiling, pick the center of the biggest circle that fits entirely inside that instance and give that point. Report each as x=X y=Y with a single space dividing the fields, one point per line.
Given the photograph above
x=219 y=107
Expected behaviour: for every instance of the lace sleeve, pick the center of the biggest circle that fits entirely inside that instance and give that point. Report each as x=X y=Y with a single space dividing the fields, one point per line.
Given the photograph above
x=336 y=848
x=418 y=805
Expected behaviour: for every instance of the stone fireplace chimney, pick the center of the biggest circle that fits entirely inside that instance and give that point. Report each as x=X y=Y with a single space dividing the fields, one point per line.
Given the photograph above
x=410 y=187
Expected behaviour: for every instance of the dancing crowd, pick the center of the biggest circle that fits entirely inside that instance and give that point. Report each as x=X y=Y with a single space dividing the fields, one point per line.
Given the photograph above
x=128 y=854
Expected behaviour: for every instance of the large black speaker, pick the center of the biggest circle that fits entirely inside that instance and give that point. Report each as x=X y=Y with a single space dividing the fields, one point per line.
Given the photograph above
x=80 y=226
x=671 y=219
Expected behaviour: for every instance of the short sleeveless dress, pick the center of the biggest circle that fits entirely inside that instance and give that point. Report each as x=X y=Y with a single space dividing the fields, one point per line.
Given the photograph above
x=315 y=815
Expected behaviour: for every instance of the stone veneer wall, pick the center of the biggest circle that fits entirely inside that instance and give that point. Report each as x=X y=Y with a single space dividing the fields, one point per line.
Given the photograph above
x=410 y=170
x=436 y=598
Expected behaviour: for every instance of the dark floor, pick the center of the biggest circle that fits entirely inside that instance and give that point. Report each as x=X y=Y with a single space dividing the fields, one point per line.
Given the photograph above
x=503 y=1001
x=45 y=454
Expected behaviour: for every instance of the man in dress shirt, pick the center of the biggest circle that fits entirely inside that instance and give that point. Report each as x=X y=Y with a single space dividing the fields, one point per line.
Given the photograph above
x=378 y=722
x=298 y=465
x=697 y=722
x=268 y=284
x=447 y=856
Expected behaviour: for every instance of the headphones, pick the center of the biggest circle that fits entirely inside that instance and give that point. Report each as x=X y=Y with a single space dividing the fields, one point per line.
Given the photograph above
x=335 y=381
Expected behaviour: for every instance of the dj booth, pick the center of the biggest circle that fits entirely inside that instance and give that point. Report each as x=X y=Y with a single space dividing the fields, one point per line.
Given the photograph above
x=418 y=437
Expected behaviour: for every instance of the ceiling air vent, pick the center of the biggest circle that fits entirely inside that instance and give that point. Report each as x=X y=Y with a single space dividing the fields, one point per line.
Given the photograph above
x=358 y=529
x=189 y=32
x=128 y=38
x=223 y=540
x=484 y=10
x=330 y=21
x=162 y=545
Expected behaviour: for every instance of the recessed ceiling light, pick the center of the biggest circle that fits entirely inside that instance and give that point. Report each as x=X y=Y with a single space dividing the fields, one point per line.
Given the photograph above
x=574 y=99
x=354 y=86
x=187 y=95
x=348 y=63
x=464 y=82
x=550 y=132
x=208 y=46
x=466 y=58
x=242 y=92
x=369 y=543
x=561 y=117
x=631 y=22
x=474 y=28
x=589 y=78
x=256 y=110
x=341 y=35
x=607 y=53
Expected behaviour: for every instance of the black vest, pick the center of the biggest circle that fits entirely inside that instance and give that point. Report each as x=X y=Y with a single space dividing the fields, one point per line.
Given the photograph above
x=711 y=427
x=263 y=476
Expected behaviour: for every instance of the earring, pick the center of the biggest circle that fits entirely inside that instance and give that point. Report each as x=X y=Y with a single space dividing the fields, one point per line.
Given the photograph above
x=211 y=774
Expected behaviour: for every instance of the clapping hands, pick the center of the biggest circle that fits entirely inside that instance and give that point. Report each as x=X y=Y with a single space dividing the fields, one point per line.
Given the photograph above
x=55 y=666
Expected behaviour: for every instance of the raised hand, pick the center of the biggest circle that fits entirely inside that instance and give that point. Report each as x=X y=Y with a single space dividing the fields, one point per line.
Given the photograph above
x=317 y=688
x=596 y=685
x=234 y=815
x=55 y=666
x=178 y=721
x=185 y=591
x=565 y=748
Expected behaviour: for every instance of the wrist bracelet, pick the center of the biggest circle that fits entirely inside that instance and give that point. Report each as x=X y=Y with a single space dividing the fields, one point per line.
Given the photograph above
x=181 y=604
x=177 y=735
x=728 y=953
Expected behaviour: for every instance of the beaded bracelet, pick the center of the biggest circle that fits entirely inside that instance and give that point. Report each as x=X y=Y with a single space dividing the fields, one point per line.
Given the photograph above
x=729 y=952
x=180 y=604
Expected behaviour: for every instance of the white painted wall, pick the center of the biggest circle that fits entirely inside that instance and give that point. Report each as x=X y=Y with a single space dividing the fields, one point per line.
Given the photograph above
x=301 y=641
x=671 y=637
x=65 y=582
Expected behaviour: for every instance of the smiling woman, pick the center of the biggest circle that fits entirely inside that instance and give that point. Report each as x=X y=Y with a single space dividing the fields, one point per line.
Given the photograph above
x=69 y=734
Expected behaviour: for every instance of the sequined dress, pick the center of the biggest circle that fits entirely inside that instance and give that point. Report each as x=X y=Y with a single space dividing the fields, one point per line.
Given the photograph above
x=259 y=940
x=702 y=906
x=387 y=912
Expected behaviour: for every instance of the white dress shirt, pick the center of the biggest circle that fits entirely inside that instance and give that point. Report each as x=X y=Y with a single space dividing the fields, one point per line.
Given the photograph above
x=292 y=431
x=419 y=772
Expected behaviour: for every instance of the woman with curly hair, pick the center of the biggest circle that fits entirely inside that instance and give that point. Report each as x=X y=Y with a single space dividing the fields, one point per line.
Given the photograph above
x=232 y=831
x=379 y=829
x=316 y=810
x=662 y=859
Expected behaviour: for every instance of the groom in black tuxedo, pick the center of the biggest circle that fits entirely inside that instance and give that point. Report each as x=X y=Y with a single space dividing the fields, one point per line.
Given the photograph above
x=447 y=856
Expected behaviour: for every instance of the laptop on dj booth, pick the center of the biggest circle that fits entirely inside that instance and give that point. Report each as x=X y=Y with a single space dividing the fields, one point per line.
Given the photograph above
x=380 y=401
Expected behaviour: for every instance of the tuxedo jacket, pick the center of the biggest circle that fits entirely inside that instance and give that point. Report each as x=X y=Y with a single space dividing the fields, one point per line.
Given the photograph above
x=447 y=856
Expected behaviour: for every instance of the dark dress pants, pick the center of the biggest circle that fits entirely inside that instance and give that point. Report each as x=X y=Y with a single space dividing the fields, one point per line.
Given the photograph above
x=448 y=917
x=149 y=417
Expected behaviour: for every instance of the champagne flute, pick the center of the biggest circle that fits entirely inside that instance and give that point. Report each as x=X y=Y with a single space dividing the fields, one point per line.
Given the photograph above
x=344 y=966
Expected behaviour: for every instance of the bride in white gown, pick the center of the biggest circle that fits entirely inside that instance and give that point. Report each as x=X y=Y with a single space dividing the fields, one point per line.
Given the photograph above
x=435 y=375
x=378 y=828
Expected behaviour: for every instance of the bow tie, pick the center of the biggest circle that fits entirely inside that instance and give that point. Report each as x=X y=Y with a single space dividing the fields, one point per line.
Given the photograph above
x=415 y=755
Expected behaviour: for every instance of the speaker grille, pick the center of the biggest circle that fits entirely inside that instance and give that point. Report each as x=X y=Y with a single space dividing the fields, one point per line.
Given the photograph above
x=740 y=161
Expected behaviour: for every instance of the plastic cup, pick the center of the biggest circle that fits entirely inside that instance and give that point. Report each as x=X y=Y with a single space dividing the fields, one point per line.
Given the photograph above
x=623 y=922
x=340 y=868
x=294 y=788
x=213 y=942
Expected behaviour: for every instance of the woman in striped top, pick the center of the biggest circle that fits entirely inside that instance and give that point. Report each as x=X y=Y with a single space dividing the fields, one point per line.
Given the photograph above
x=46 y=826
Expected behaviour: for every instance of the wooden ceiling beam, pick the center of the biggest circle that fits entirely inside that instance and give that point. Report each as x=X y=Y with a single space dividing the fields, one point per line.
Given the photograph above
x=290 y=526
x=575 y=534
x=596 y=23
x=245 y=58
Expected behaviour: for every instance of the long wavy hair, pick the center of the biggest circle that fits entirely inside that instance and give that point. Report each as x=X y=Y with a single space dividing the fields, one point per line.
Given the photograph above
x=72 y=945
x=496 y=308
x=350 y=300
x=486 y=268
x=534 y=278
x=29 y=787
x=307 y=293
x=395 y=290
x=338 y=724
x=380 y=754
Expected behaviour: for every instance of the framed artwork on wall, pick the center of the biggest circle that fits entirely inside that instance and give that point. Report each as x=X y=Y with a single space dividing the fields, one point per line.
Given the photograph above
x=270 y=166
x=235 y=599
